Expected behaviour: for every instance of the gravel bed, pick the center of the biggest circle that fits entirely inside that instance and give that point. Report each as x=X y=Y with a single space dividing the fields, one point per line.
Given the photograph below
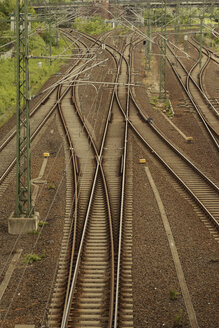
x=201 y=152
x=211 y=79
x=154 y=273
x=153 y=270
x=28 y=292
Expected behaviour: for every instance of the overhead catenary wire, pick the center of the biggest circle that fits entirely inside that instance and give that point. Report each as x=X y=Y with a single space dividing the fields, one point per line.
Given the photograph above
x=5 y=264
x=3 y=269
x=34 y=246
x=70 y=75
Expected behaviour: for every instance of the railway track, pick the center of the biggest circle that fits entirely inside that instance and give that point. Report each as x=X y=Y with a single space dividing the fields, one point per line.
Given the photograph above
x=204 y=191
x=93 y=285
x=90 y=298
x=205 y=50
x=207 y=54
x=201 y=189
x=204 y=108
x=38 y=117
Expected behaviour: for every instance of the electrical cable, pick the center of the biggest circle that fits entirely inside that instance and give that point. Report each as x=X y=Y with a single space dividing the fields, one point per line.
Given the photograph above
x=32 y=248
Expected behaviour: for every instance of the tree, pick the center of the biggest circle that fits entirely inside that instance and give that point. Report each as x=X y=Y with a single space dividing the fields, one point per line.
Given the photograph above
x=7 y=7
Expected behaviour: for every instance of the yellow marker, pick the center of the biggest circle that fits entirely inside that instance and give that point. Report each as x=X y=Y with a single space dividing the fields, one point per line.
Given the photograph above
x=46 y=154
x=189 y=139
x=142 y=160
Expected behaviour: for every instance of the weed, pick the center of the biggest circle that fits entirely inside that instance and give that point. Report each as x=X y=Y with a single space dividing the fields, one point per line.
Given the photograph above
x=30 y=258
x=94 y=25
x=167 y=104
x=33 y=232
x=173 y=294
x=42 y=223
x=52 y=186
x=154 y=101
x=178 y=319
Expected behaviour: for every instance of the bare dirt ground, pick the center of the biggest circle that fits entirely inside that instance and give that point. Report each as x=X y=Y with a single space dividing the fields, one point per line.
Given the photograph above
x=27 y=296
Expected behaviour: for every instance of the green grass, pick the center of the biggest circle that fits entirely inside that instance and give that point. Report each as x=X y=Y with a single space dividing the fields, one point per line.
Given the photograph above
x=37 y=75
x=42 y=223
x=31 y=258
x=33 y=232
x=173 y=294
x=178 y=319
x=52 y=186
x=94 y=25
x=154 y=100
x=209 y=41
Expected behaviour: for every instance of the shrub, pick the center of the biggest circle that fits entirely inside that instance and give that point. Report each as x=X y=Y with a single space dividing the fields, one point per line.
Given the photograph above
x=95 y=25
x=173 y=294
x=37 y=75
x=178 y=319
x=30 y=258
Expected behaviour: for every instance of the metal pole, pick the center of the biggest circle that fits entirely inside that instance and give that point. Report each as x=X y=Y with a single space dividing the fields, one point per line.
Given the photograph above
x=50 y=43
x=23 y=175
x=18 y=163
x=200 y=52
x=177 y=22
x=116 y=13
x=163 y=52
x=148 y=43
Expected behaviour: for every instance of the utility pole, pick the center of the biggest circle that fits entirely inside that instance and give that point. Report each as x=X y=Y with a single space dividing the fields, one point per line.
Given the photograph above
x=148 y=43
x=24 y=218
x=50 y=43
x=23 y=192
x=116 y=13
x=163 y=52
x=201 y=35
x=177 y=21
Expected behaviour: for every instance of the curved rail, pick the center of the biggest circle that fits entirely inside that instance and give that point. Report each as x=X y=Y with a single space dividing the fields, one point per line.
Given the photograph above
x=201 y=192
x=202 y=118
x=41 y=124
x=98 y=170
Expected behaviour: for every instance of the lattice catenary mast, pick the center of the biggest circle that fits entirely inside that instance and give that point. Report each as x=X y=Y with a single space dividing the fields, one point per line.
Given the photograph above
x=23 y=178
x=163 y=50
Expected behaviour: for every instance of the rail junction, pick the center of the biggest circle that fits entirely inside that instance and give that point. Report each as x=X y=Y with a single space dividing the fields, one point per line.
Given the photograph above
x=128 y=194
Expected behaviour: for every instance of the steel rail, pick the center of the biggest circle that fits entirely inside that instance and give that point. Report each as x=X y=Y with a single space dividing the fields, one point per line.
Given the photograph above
x=207 y=126
x=207 y=49
x=190 y=78
x=98 y=169
x=156 y=130
x=36 y=107
x=208 y=54
x=34 y=134
x=75 y=174
x=76 y=191
x=122 y=200
x=205 y=123
x=187 y=161
x=190 y=163
x=206 y=211
x=75 y=228
x=120 y=237
x=180 y=180
x=123 y=181
x=12 y=164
